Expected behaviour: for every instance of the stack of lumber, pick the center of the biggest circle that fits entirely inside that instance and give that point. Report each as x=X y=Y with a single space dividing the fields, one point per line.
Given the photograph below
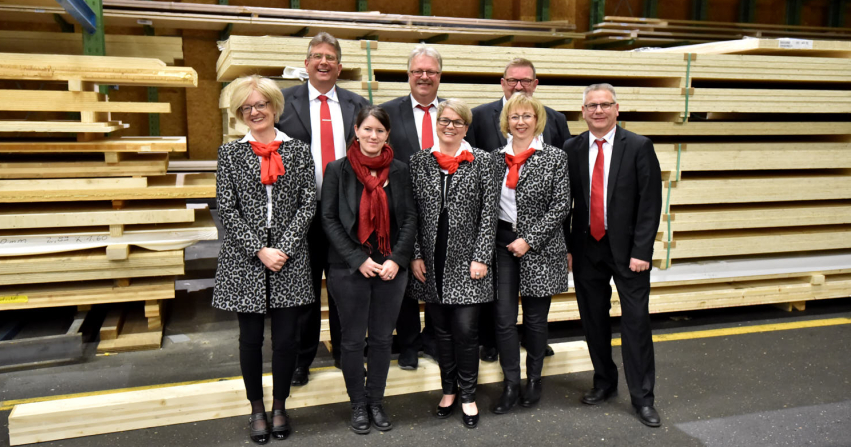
x=639 y=32
x=289 y=22
x=754 y=149
x=97 y=219
x=165 y=48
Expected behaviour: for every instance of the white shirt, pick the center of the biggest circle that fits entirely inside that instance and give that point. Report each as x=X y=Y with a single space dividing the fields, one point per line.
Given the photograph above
x=418 y=119
x=507 y=202
x=316 y=130
x=279 y=136
x=592 y=158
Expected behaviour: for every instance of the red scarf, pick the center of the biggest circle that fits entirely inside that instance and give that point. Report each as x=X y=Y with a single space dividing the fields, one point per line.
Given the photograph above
x=271 y=165
x=514 y=162
x=450 y=163
x=374 y=215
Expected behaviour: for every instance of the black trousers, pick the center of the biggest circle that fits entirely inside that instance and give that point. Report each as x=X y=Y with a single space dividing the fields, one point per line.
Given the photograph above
x=535 y=313
x=593 y=294
x=366 y=304
x=251 y=326
x=310 y=322
x=456 y=333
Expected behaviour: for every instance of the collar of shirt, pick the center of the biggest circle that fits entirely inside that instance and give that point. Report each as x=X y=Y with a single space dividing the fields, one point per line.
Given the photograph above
x=279 y=136
x=414 y=103
x=537 y=143
x=465 y=146
x=312 y=93
x=609 y=137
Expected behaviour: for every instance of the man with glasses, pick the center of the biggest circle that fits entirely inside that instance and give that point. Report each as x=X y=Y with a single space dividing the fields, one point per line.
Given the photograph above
x=413 y=119
x=322 y=115
x=616 y=185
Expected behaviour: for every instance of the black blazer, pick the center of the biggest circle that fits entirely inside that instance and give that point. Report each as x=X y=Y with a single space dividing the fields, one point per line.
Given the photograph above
x=295 y=121
x=633 y=199
x=484 y=132
x=403 y=129
x=340 y=204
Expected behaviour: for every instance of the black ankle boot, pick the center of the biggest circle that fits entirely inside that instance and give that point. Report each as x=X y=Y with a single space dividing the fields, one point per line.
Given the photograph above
x=379 y=417
x=532 y=394
x=510 y=395
x=360 y=419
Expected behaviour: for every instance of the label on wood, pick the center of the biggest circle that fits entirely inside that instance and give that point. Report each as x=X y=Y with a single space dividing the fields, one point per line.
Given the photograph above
x=13 y=299
x=795 y=44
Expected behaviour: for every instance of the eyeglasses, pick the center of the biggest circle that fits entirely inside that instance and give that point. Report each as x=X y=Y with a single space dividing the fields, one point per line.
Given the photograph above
x=318 y=57
x=524 y=82
x=429 y=73
x=445 y=122
x=258 y=107
x=603 y=105
x=526 y=117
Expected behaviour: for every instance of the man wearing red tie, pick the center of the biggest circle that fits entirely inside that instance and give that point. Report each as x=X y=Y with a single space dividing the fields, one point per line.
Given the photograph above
x=322 y=115
x=617 y=204
x=414 y=121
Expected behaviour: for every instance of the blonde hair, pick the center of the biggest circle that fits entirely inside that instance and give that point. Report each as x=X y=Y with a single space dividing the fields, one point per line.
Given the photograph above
x=244 y=86
x=458 y=106
x=517 y=101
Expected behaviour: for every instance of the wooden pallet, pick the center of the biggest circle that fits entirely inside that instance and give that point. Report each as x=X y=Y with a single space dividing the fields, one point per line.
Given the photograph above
x=135 y=331
x=133 y=410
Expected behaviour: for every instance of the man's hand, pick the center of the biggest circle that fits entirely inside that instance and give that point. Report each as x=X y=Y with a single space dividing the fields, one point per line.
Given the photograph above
x=637 y=265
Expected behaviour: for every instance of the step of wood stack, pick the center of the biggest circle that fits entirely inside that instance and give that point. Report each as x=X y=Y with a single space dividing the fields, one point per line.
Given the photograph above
x=94 y=220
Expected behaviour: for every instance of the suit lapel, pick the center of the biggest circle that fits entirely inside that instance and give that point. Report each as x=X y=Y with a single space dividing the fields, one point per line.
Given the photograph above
x=410 y=128
x=301 y=104
x=396 y=188
x=615 y=164
x=583 y=167
x=499 y=136
x=349 y=181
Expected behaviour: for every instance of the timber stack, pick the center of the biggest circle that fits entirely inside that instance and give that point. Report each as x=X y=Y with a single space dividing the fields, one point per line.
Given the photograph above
x=93 y=219
x=754 y=151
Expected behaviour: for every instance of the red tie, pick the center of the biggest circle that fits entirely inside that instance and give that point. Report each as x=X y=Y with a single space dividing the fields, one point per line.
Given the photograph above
x=326 y=133
x=598 y=226
x=428 y=134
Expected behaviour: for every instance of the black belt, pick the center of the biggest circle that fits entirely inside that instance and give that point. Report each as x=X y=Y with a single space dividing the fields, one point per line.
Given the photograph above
x=507 y=226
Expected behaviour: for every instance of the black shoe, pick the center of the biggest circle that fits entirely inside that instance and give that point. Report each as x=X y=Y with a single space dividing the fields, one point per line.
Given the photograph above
x=281 y=431
x=649 y=416
x=445 y=412
x=510 y=395
x=379 y=417
x=549 y=351
x=260 y=435
x=488 y=354
x=597 y=396
x=532 y=394
x=470 y=421
x=408 y=360
x=300 y=376
x=360 y=419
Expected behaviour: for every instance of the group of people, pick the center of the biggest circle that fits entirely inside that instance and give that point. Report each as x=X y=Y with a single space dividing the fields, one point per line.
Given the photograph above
x=472 y=212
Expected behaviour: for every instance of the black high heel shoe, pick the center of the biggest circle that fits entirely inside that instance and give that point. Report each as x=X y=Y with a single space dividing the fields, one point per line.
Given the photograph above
x=281 y=431
x=445 y=412
x=470 y=421
x=261 y=435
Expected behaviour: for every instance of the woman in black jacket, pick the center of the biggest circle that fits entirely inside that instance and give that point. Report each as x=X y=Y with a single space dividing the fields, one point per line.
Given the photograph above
x=369 y=216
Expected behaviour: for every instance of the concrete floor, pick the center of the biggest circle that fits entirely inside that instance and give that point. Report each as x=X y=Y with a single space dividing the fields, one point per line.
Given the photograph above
x=772 y=388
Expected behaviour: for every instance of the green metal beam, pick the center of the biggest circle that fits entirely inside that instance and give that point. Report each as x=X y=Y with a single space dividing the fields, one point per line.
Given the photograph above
x=542 y=13
x=153 y=95
x=836 y=13
x=650 y=8
x=425 y=7
x=747 y=11
x=597 y=12
x=497 y=41
x=486 y=9
x=295 y=4
x=63 y=24
x=362 y=6
x=94 y=44
x=225 y=33
x=699 y=9
x=793 y=11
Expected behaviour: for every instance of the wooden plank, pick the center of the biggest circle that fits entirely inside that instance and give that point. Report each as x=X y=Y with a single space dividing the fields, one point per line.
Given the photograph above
x=165 y=48
x=85 y=293
x=731 y=217
x=65 y=167
x=123 y=144
x=751 y=242
x=176 y=186
x=83 y=214
x=135 y=336
x=112 y=324
x=753 y=188
x=753 y=156
x=117 y=252
x=189 y=403
x=60 y=126
x=63 y=101
x=816 y=48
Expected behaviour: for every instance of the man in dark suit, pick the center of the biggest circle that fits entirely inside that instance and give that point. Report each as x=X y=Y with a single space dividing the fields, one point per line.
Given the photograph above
x=519 y=77
x=484 y=133
x=322 y=115
x=617 y=204
x=414 y=121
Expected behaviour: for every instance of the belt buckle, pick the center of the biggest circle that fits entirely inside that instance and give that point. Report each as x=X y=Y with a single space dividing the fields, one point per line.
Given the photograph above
x=514 y=226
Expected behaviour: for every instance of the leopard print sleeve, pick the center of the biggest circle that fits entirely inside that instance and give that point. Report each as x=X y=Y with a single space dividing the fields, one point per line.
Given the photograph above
x=545 y=228
x=489 y=202
x=226 y=197
x=304 y=173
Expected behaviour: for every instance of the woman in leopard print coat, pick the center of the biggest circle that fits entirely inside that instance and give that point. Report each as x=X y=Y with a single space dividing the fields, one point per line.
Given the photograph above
x=266 y=196
x=455 y=188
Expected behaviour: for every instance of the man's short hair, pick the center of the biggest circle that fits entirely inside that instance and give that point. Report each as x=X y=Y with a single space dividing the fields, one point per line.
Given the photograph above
x=425 y=50
x=324 y=37
x=597 y=87
x=520 y=62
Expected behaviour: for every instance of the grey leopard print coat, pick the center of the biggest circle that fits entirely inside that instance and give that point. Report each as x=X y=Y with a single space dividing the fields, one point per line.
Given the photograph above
x=472 y=200
x=542 y=198
x=240 y=275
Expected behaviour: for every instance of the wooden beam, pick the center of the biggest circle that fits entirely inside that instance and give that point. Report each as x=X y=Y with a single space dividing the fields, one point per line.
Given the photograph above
x=78 y=293
x=123 y=144
x=172 y=186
